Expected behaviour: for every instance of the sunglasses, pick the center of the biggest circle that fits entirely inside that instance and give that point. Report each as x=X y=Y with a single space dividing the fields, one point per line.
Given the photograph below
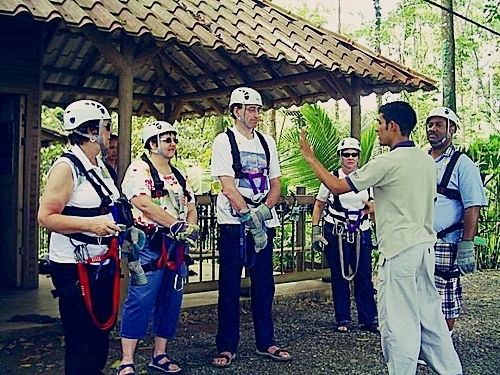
x=350 y=154
x=107 y=127
x=169 y=140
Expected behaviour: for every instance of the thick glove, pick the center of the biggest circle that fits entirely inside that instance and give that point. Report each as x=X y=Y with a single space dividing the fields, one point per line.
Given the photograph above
x=260 y=238
x=318 y=240
x=255 y=217
x=466 y=260
x=137 y=275
x=137 y=239
x=185 y=232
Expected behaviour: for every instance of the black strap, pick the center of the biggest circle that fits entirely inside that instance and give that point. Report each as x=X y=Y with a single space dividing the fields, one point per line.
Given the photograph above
x=337 y=206
x=235 y=153
x=90 y=239
x=442 y=187
x=159 y=190
x=450 y=229
x=105 y=199
x=447 y=275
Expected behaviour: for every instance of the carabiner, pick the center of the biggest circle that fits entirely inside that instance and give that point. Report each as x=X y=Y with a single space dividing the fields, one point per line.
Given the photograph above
x=176 y=281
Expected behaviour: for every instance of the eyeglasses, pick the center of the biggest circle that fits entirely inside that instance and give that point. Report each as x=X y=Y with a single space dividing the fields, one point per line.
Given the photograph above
x=107 y=127
x=350 y=154
x=169 y=140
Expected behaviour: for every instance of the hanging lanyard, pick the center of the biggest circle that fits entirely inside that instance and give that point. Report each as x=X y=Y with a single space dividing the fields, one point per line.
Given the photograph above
x=83 y=277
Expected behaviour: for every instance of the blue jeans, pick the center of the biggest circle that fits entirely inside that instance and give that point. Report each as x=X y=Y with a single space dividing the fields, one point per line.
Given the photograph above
x=262 y=290
x=363 y=285
x=158 y=298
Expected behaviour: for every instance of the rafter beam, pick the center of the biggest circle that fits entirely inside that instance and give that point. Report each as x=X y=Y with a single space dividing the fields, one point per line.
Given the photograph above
x=344 y=88
x=273 y=72
x=107 y=48
x=239 y=71
x=265 y=84
x=192 y=81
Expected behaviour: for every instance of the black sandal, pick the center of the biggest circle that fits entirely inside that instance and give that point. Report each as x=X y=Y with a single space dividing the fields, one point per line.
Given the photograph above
x=343 y=327
x=373 y=328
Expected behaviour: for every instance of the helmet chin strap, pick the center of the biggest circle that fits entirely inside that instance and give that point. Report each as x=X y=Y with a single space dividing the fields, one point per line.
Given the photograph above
x=242 y=118
x=95 y=139
x=446 y=137
x=159 y=150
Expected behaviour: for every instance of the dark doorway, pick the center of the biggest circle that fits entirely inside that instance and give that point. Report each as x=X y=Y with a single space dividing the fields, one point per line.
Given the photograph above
x=10 y=190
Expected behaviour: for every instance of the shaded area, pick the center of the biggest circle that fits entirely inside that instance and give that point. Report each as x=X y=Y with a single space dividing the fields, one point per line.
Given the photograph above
x=304 y=325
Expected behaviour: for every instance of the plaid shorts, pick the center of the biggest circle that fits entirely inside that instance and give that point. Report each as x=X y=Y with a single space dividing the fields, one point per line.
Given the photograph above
x=450 y=290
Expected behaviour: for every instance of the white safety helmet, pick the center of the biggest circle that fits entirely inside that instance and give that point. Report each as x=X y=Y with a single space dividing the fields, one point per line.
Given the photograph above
x=443 y=112
x=348 y=143
x=245 y=96
x=156 y=128
x=82 y=111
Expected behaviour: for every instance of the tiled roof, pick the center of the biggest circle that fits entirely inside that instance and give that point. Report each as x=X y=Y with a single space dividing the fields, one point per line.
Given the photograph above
x=204 y=48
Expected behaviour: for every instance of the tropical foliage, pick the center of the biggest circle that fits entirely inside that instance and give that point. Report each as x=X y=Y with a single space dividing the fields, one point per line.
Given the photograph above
x=323 y=133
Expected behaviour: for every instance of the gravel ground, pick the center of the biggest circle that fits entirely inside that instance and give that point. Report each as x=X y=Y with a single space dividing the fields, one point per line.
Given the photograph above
x=304 y=326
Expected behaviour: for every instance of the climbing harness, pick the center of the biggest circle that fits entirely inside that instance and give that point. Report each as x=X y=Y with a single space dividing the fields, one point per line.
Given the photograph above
x=258 y=195
x=85 y=288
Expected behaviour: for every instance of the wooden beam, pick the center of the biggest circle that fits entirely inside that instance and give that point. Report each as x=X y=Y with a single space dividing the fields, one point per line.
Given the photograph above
x=239 y=71
x=343 y=87
x=125 y=96
x=356 y=111
x=202 y=65
x=273 y=72
x=107 y=47
x=181 y=71
x=265 y=84
x=145 y=55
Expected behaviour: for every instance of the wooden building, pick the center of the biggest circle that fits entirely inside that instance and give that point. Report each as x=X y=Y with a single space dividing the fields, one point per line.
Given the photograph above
x=168 y=58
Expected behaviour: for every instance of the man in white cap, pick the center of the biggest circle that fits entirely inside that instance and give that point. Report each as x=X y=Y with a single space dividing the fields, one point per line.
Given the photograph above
x=459 y=199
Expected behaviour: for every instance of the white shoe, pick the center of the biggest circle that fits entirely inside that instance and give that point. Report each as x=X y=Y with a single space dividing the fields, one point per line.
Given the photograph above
x=421 y=362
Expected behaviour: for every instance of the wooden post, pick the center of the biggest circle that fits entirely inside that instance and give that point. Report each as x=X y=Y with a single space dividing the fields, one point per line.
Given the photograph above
x=356 y=114
x=301 y=232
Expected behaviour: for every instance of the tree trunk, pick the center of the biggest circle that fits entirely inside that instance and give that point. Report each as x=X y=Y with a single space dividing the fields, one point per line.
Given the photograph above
x=448 y=34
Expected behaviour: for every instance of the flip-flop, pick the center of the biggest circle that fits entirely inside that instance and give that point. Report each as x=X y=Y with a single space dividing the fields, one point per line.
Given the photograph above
x=275 y=356
x=164 y=367
x=229 y=360
x=123 y=367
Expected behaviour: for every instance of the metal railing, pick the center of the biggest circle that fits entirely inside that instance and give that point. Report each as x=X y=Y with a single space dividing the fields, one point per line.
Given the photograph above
x=293 y=257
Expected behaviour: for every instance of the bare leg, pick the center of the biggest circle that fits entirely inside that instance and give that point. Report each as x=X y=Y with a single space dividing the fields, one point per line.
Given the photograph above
x=451 y=324
x=161 y=348
x=128 y=349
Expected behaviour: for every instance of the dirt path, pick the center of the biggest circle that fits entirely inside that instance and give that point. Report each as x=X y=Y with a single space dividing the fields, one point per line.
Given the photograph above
x=304 y=326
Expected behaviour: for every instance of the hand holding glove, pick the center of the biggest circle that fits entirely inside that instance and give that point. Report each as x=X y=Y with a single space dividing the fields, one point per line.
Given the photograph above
x=318 y=239
x=466 y=260
x=254 y=218
x=185 y=232
x=260 y=238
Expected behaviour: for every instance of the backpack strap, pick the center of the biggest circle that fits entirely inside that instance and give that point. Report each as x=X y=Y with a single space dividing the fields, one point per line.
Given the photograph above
x=105 y=206
x=442 y=187
x=159 y=190
x=235 y=152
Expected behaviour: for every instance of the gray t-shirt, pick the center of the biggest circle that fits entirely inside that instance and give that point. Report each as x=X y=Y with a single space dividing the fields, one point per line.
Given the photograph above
x=404 y=189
